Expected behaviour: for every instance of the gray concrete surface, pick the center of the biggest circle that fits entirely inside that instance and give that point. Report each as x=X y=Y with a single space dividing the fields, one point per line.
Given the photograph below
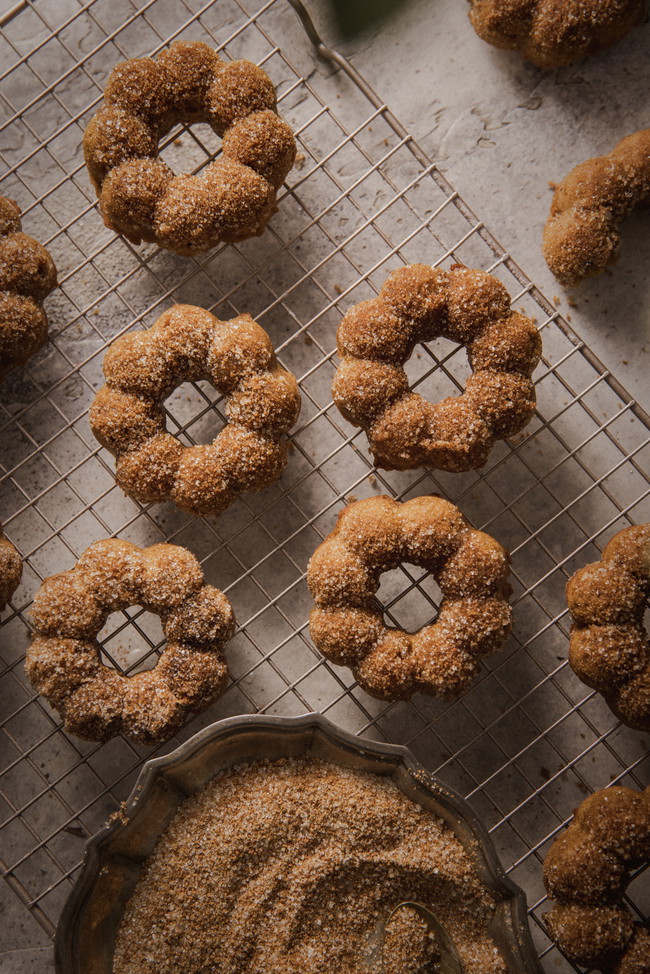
x=502 y=129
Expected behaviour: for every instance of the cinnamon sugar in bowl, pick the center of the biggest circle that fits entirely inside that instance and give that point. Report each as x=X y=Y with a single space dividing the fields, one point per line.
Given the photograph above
x=281 y=844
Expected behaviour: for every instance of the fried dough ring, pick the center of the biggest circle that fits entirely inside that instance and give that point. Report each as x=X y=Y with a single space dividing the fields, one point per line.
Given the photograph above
x=587 y=870
x=609 y=648
x=11 y=570
x=97 y=702
x=186 y=344
x=471 y=568
x=417 y=304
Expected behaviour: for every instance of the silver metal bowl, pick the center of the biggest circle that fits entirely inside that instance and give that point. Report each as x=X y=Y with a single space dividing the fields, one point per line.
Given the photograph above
x=114 y=857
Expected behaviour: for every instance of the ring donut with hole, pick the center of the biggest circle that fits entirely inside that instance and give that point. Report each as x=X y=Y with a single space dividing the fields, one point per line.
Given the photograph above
x=234 y=197
x=27 y=275
x=586 y=872
x=11 y=570
x=609 y=648
x=97 y=702
x=186 y=344
x=418 y=304
x=375 y=535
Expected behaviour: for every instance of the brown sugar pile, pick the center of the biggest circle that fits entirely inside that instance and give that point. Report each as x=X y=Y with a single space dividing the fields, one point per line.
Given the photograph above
x=288 y=866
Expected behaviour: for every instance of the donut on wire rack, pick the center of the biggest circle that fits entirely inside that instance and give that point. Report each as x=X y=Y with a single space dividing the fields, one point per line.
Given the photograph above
x=234 y=197
x=186 y=344
x=586 y=872
x=418 y=304
x=552 y=33
x=11 y=570
x=27 y=275
x=96 y=701
x=582 y=234
x=609 y=648
x=375 y=535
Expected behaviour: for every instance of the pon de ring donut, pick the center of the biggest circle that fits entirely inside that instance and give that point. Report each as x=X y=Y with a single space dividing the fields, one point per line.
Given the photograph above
x=96 y=701
x=375 y=535
x=234 y=197
x=418 y=304
x=142 y=368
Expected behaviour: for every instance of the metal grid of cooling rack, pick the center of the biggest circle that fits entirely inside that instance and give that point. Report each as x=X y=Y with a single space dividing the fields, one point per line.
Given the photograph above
x=528 y=741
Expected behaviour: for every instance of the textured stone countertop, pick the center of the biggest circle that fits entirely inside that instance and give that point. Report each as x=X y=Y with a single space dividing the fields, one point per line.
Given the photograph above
x=502 y=129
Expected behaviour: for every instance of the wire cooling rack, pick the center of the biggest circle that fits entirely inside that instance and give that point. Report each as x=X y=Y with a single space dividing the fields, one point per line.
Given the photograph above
x=528 y=741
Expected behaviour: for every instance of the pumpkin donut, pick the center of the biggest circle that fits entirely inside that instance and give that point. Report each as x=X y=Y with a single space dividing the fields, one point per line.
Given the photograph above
x=609 y=648
x=552 y=33
x=11 y=570
x=97 y=702
x=234 y=197
x=418 y=304
x=373 y=536
x=186 y=344
x=27 y=275
x=581 y=236
x=586 y=872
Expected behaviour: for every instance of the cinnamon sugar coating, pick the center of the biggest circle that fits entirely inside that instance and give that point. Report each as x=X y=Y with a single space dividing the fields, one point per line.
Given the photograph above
x=471 y=568
x=187 y=344
x=419 y=304
x=11 y=570
x=609 y=647
x=27 y=275
x=551 y=33
x=582 y=234
x=234 y=197
x=97 y=702
x=587 y=870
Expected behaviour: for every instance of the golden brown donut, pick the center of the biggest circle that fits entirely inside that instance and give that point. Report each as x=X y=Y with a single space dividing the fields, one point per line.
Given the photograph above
x=581 y=237
x=27 y=275
x=587 y=870
x=552 y=33
x=186 y=344
x=97 y=702
x=372 y=536
x=11 y=570
x=234 y=197
x=418 y=304
x=609 y=647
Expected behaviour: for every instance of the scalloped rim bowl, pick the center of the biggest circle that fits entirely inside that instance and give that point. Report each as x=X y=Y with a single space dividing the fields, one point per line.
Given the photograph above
x=86 y=931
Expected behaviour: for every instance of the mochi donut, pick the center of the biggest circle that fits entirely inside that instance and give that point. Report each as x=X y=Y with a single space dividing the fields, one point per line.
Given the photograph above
x=346 y=624
x=417 y=304
x=97 y=702
x=586 y=872
x=234 y=197
x=186 y=343
x=609 y=647
x=582 y=234
x=11 y=570
x=552 y=33
x=27 y=275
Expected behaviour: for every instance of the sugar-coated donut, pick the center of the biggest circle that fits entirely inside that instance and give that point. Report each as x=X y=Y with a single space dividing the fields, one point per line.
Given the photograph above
x=609 y=648
x=27 y=275
x=417 y=304
x=234 y=197
x=11 y=569
x=552 y=33
x=581 y=236
x=471 y=568
x=586 y=872
x=97 y=702
x=186 y=344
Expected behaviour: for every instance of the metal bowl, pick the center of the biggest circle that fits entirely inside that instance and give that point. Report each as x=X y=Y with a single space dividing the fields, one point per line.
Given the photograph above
x=86 y=932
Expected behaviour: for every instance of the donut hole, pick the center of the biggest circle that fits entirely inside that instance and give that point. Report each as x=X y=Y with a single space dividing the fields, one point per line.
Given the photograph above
x=408 y=601
x=426 y=369
x=189 y=148
x=131 y=640
x=195 y=413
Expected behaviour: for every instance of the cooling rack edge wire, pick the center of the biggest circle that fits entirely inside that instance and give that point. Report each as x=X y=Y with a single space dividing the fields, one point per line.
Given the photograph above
x=528 y=741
